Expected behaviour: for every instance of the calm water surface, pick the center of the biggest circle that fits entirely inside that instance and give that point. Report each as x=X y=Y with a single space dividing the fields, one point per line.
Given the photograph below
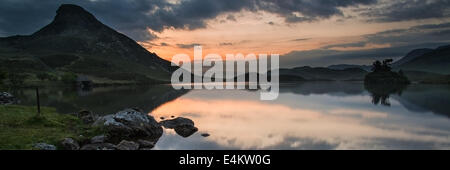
x=318 y=115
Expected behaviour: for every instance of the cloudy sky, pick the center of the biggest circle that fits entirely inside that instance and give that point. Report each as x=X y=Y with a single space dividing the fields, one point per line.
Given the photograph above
x=303 y=32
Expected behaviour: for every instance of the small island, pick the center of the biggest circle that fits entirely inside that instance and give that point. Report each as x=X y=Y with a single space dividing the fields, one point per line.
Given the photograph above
x=382 y=74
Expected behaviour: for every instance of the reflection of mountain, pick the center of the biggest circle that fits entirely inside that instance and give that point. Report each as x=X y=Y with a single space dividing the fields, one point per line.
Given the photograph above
x=76 y=41
x=103 y=100
x=320 y=73
x=331 y=88
x=424 y=98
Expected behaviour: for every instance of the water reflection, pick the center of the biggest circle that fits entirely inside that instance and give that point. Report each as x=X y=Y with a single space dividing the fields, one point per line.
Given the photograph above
x=316 y=115
x=308 y=116
x=380 y=92
x=103 y=100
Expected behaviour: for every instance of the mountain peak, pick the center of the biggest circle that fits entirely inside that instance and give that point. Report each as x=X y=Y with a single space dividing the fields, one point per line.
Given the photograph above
x=70 y=17
x=71 y=10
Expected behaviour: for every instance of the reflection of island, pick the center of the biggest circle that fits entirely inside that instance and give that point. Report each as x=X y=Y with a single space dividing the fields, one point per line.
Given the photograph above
x=380 y=92
x=102 y=100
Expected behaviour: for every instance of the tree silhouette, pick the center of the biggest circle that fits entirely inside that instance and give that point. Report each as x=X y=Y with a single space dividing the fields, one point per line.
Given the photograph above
x=384 y=66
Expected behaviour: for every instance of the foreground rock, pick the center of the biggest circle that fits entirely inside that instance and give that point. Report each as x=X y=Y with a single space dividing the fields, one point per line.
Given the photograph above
x=87 y=117
x=7 y=98
x=182 y=126
x=130 y=124
x=70 y=144
x=179 y=121
x=127 y=145
x=99 y=146
x=185 y=131
x=98 y=139
x=145 y=144
x=44 y=146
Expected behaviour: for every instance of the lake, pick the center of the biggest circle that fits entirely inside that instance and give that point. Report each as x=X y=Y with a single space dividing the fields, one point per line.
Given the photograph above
x=313 y=115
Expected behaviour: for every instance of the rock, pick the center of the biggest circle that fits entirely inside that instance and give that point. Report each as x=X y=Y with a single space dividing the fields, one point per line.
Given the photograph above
x=87 y=116
x=145 y=149
x=130 y=124
x=185 y=130
x=7 y=98
x=205 y=134
x=182 y=126
x=99 y=146
x=179 y=121
x=98 y=139
x=70 y=144
x=138 y=109
x=44 y=146
x=127 y=145
x=145 y=144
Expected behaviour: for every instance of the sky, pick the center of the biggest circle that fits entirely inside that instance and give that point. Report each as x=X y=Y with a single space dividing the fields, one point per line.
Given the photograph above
x=303 y=32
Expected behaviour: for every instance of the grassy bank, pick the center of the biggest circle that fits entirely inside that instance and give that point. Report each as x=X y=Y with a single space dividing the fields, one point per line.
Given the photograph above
x=20 y=128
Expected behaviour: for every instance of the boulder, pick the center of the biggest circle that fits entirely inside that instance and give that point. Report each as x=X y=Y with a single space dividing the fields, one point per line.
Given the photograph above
x=44 y=146
x=145 y=149
x=185 y=130
x=70 y=144
x=179 y=121
x=87 y=116
x=7 y=98
x=127 y=145
x=99 y=146
x=130 y=124
x=182 y=126
x=98 y=139
x=145 y=143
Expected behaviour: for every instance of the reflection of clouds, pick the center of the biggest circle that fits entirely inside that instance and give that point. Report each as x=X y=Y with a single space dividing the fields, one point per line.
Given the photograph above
x=361 y=113
x=253 y=124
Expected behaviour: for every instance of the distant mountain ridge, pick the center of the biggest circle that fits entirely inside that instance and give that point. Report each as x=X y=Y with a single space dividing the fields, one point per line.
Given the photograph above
x=347 y=66
x=435 y=61
x=426 y=60
x=76 y=41
x=411 y=55
x=325 y=74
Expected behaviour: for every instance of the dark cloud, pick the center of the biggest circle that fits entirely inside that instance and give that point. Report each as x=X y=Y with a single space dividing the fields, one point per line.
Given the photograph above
x=346 y=45
x=134 y=17
x=307 y=10
x=231 y=18
x=164 y=44
x=301 y=39
x=187 y=46
x=225 y=44
x=271 y=23
x=405 y=10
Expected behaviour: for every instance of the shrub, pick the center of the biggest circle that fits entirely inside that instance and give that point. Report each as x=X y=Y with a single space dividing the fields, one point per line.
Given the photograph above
x=69 y=77
x=16 y=79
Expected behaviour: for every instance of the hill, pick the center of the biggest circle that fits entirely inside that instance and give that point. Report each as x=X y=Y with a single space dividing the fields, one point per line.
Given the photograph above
x=75 y=41
x=321 y=73
x=435 y=61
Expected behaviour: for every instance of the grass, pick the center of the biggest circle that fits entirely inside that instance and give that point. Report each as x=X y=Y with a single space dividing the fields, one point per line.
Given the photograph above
x=20 y=127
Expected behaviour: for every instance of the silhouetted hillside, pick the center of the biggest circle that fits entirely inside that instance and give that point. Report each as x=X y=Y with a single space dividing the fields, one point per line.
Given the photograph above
x=76 y=41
